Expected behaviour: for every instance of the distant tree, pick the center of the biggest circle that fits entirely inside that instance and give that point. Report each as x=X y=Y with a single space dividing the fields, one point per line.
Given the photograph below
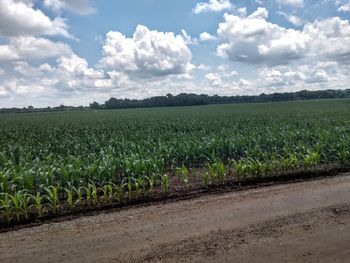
x=95 y=105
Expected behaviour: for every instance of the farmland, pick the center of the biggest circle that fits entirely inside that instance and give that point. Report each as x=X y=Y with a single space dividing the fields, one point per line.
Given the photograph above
x=61 y=162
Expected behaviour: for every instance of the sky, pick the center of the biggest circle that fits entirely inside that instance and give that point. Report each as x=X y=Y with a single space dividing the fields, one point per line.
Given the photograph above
x=74 y=52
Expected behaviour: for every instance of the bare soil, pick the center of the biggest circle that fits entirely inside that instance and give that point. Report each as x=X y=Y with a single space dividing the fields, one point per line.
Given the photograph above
x=297 y=222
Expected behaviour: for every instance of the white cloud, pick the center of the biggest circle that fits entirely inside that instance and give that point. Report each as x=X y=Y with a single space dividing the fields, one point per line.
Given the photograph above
x=81 y=7
x=203 y=67
x=242 y=11
x=214 y=79
x=297 y=21
x=344 y=7
x=18 y=18
x=223 y=67
x=295 y=3
x=77 y=68
x=313 y=76
x=253 y=39
x=2 y=72
x=205 y=36
x=147 y=53
x=330 y=38
x=24 y=69
x=222 y=77
x=188 y=39
x=26 y=48
x=213 y=6
x=260 y=13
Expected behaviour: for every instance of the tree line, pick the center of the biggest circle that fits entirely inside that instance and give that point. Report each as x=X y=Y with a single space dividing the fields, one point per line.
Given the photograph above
x=185 y=99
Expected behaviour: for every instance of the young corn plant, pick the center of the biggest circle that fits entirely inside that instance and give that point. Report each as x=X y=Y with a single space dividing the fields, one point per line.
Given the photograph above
x=294 y=162
x=184 y=176
x=88 y=193
x=142 y=183
x=24 y=201
x=151 y=182
x=5 y=206
x=240 y=168
x=344 y=157
x=137 y=186
x=94 y=192
x=129 y=185
x=256 y=167
x=311 y=160
x=219 y=168
x=211 y=170
x=107 y=191
x=37 y=203
x=70 y=198
x=119 y=191
x=52 y=198
x=79 y=195
x=179 y=172
x=16 y=206
x=206 y=177
x=165 y=183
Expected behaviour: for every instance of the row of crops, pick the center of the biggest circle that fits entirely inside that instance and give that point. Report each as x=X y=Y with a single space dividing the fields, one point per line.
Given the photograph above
x=53 y=163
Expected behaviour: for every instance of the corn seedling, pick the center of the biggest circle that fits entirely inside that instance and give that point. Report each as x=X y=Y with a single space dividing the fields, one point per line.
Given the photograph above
x=151 y=182
x=184 y=176
x=79 y=195
x=5 y=206
x=165 y=183
x=70 y=200
x=107 y=191
x=119 y=191
x=37 y=203
x=52 y=198
x=205 y=177
x=16 y=206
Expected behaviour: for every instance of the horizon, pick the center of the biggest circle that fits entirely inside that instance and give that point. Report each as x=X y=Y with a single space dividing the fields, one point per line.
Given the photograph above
x=248 y=99
x=60 y=52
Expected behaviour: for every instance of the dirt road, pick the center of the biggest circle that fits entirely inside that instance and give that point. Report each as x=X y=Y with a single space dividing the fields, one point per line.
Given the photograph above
x=298 y=222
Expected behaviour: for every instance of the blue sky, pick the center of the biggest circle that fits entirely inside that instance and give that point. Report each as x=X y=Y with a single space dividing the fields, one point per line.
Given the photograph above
x=74 y=52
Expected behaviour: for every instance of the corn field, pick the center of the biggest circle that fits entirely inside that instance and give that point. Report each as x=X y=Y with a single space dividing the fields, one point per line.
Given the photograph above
x=52 y=163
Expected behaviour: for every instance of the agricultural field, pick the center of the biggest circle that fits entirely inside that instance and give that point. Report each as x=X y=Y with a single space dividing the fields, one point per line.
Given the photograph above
x=58 y=163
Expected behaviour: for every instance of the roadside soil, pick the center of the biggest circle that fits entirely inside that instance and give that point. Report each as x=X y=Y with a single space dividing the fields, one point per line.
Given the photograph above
x=297 y=222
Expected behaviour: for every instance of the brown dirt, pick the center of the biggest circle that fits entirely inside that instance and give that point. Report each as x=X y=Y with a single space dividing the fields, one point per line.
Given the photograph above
x=298 y=222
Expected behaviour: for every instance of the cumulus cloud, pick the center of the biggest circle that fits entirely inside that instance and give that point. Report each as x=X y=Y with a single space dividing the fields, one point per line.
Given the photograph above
x=70 y=79
x=24 y=69
x=253 y=39
x=188 y=39
x=312 y=76
x=19 y=18
x=147 y=53
x=222 y=77
x=213 y=6
x=203 y=67
x=295 y=3
x=344 y=7
x=24 y=48
x=205 y=36
x=81 y=7
x=295 y=20
x=330 y=38
x=78 y=68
